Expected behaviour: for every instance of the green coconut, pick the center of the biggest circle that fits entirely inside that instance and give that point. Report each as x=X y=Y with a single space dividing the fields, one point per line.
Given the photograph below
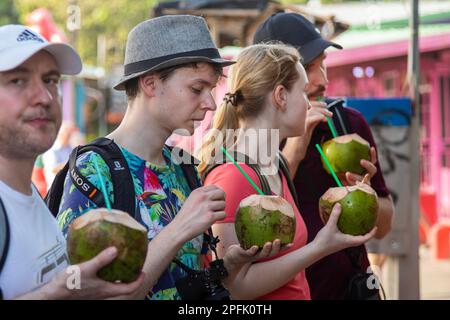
x=261 y=219
x=359 y=205
x=344 y=154
x=99 y=229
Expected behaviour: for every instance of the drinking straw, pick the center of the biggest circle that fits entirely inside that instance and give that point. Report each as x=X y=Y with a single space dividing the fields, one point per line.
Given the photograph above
x=242 y=171
x=328 y=165
x=330 y=123
x=102 y=185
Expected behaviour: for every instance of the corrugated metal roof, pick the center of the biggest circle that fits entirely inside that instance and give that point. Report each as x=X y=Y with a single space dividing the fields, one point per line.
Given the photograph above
x=369 y=13
x=361 y=38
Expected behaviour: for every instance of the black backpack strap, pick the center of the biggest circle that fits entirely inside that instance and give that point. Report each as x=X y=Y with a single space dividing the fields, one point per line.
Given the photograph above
x=4 y=238
x=340 y=119
x=54 y=194
x=122 y=181
x=189 y=168
x=285 y=170
x=124 y=195
x=190 y=173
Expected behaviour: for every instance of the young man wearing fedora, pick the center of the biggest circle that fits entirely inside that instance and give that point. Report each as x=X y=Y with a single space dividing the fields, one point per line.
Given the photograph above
x=328 y=278
x=33 y=258
x=171 y=66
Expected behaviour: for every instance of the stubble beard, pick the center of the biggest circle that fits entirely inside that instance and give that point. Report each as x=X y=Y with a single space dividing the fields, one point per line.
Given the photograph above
x=21 y=144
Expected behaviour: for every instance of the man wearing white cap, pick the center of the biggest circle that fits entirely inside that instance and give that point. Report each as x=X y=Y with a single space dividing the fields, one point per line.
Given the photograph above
x=33 y=258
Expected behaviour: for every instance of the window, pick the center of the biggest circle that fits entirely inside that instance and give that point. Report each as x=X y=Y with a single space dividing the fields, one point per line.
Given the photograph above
x=390 y=80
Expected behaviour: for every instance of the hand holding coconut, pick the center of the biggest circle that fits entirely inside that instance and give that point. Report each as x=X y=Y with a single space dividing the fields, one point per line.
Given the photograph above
x=102 y=228
x=260 y=210
x=91 y=286
x=369 y=167
x=264 y=226
x=359 y=203
x=330 y=239
x=344 y=153
x=350 y=156
x=262 y=218
x=235 y=256
x=359 y=207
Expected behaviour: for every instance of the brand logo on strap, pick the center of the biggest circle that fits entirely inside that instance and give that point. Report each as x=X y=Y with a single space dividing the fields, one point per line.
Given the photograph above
x=118 y=166
x=79 y=181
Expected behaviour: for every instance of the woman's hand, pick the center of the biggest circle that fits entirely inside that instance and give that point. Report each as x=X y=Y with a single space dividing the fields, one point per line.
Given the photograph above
x=330 y=239
x=235 y=256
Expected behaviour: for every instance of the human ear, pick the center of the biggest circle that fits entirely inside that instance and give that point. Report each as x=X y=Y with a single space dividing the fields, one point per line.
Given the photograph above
x=147 y=84
x=279 y=96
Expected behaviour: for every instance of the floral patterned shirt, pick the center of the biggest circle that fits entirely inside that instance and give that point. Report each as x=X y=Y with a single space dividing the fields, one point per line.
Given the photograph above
x=160 y=193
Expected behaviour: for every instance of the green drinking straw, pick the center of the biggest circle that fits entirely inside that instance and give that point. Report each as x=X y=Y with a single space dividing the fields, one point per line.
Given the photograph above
x=330 y=123
x=102 y=185
x=242 y=171
x=328 y=165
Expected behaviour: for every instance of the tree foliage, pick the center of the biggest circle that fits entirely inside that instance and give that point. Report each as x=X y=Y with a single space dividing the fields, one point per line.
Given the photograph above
x=8 y=12
x=111 y=18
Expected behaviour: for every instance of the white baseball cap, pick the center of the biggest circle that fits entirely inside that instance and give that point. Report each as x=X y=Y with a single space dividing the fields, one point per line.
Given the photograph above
x=18 y=43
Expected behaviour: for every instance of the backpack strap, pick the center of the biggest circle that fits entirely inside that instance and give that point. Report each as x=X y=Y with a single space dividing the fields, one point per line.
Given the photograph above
x=190 y=173
x=4 y=238
x=54 y=194
x=189 y=169
x=124 y=195
x=285 y=170
x=241 y=157
x=340 y=119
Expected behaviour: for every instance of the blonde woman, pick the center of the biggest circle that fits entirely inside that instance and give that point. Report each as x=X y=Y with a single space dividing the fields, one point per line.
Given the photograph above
x=267 y=92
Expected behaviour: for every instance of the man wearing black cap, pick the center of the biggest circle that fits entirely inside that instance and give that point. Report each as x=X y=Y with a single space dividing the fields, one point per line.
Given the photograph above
x=328 y=278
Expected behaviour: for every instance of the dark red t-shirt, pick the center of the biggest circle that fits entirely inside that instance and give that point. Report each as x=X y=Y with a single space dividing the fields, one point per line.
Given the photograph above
x=328 y=278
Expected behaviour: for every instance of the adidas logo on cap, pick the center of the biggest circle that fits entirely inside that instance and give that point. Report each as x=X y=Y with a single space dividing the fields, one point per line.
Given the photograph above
x=27 y=35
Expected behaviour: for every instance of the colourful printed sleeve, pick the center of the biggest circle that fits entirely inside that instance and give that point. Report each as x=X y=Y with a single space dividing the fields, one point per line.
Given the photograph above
x=73 y=202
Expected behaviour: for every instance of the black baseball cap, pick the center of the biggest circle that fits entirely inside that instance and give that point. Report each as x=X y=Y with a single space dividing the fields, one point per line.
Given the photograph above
x=295 y=30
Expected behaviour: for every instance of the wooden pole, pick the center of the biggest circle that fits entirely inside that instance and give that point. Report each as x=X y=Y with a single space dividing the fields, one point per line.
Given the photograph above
x=402 y=272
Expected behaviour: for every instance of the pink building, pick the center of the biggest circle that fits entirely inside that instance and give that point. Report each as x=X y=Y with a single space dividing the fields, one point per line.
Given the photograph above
x=379 y=70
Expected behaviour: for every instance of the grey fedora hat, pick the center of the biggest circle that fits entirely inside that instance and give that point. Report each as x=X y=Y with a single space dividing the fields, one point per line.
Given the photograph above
x=168 y=41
